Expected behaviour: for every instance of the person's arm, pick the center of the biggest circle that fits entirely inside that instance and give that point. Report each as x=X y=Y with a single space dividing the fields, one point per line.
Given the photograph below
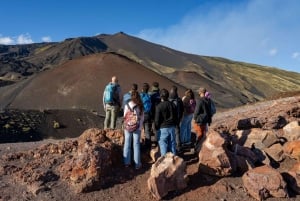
x=123 y=102
x=185 y=103
x=120 y=95
x=141 y=120
x=125 y=109
x=104 y=106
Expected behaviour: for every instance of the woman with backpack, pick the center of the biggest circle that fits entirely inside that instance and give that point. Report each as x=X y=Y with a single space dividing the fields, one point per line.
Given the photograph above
x=189 y=104
x=133 y=124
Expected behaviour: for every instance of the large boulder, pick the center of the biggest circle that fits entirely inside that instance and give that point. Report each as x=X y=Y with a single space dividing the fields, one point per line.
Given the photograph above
x=292 y=177
x=252 y=122
x=87 y=169
x=263 y=182
x=168 y=173
x=275 y=152
x=242 y=159
x=292 y=131
x=274 y=121
x=256 y=137
x=292 y=149
x=213 y=156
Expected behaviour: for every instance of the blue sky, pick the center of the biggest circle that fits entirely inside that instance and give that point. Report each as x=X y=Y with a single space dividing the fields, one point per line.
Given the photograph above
x=265 y=32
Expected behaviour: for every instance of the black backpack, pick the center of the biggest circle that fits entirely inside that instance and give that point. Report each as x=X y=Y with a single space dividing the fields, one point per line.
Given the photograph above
x=177 y=102
x=205 y=116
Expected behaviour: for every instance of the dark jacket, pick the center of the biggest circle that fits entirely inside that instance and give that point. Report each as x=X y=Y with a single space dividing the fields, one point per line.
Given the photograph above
x=155 y=100
x=165 y=115
x=202 y=111
x=178 y=106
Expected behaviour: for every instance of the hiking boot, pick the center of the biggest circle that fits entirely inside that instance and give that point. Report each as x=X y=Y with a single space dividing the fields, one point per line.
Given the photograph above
x=187 y=144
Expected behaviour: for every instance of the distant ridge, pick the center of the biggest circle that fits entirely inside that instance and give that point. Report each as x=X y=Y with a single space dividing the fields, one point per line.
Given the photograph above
x=232 y=83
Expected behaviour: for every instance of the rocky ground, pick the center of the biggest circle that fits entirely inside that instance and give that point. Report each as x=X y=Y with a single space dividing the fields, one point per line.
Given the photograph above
x=128 y=183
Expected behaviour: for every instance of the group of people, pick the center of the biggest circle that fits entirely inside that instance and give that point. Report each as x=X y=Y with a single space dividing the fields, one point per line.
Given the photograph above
x=159 y=113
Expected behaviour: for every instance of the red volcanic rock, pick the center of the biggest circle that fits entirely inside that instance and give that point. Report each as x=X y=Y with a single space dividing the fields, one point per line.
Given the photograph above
x=84 y=163
x=258 y=137
x=213 y=157
x=292 y=149
x=168 y=173
x=292 y=131
x=88 y=168
x=263 y=182
x=292 y=178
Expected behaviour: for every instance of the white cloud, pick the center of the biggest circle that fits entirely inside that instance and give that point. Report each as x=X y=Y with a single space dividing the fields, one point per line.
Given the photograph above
x=241 y=31
x=46 y=39
x=273 y=52
x=220 y=31
x=296 y=55
x=24 y=39
x=6 y=40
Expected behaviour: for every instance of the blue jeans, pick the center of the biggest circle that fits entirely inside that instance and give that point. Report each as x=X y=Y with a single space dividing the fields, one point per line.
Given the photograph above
x=136 y=136
x=111 y=115
x=167 y=140
x=186 y=128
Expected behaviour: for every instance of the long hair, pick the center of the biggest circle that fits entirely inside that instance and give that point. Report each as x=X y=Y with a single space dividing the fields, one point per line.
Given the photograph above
x=136 y=98
x=189 y=93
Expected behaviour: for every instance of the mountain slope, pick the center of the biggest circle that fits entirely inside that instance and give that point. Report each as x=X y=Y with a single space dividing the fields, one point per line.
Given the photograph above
x=231 y=83
x=78 y=83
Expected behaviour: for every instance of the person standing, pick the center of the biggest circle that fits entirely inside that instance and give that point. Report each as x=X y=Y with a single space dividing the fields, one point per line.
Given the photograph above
x=212 y=105
x=176 y=100
x=147 y=125
x=202 y=117
x=165 y=121
x=127 y=96
x=112 y=99
x=155 y=100
x=135 y=105
x=189 y=104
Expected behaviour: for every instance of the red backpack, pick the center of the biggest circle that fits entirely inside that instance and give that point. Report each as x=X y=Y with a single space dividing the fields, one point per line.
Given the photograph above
x=131 y=119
